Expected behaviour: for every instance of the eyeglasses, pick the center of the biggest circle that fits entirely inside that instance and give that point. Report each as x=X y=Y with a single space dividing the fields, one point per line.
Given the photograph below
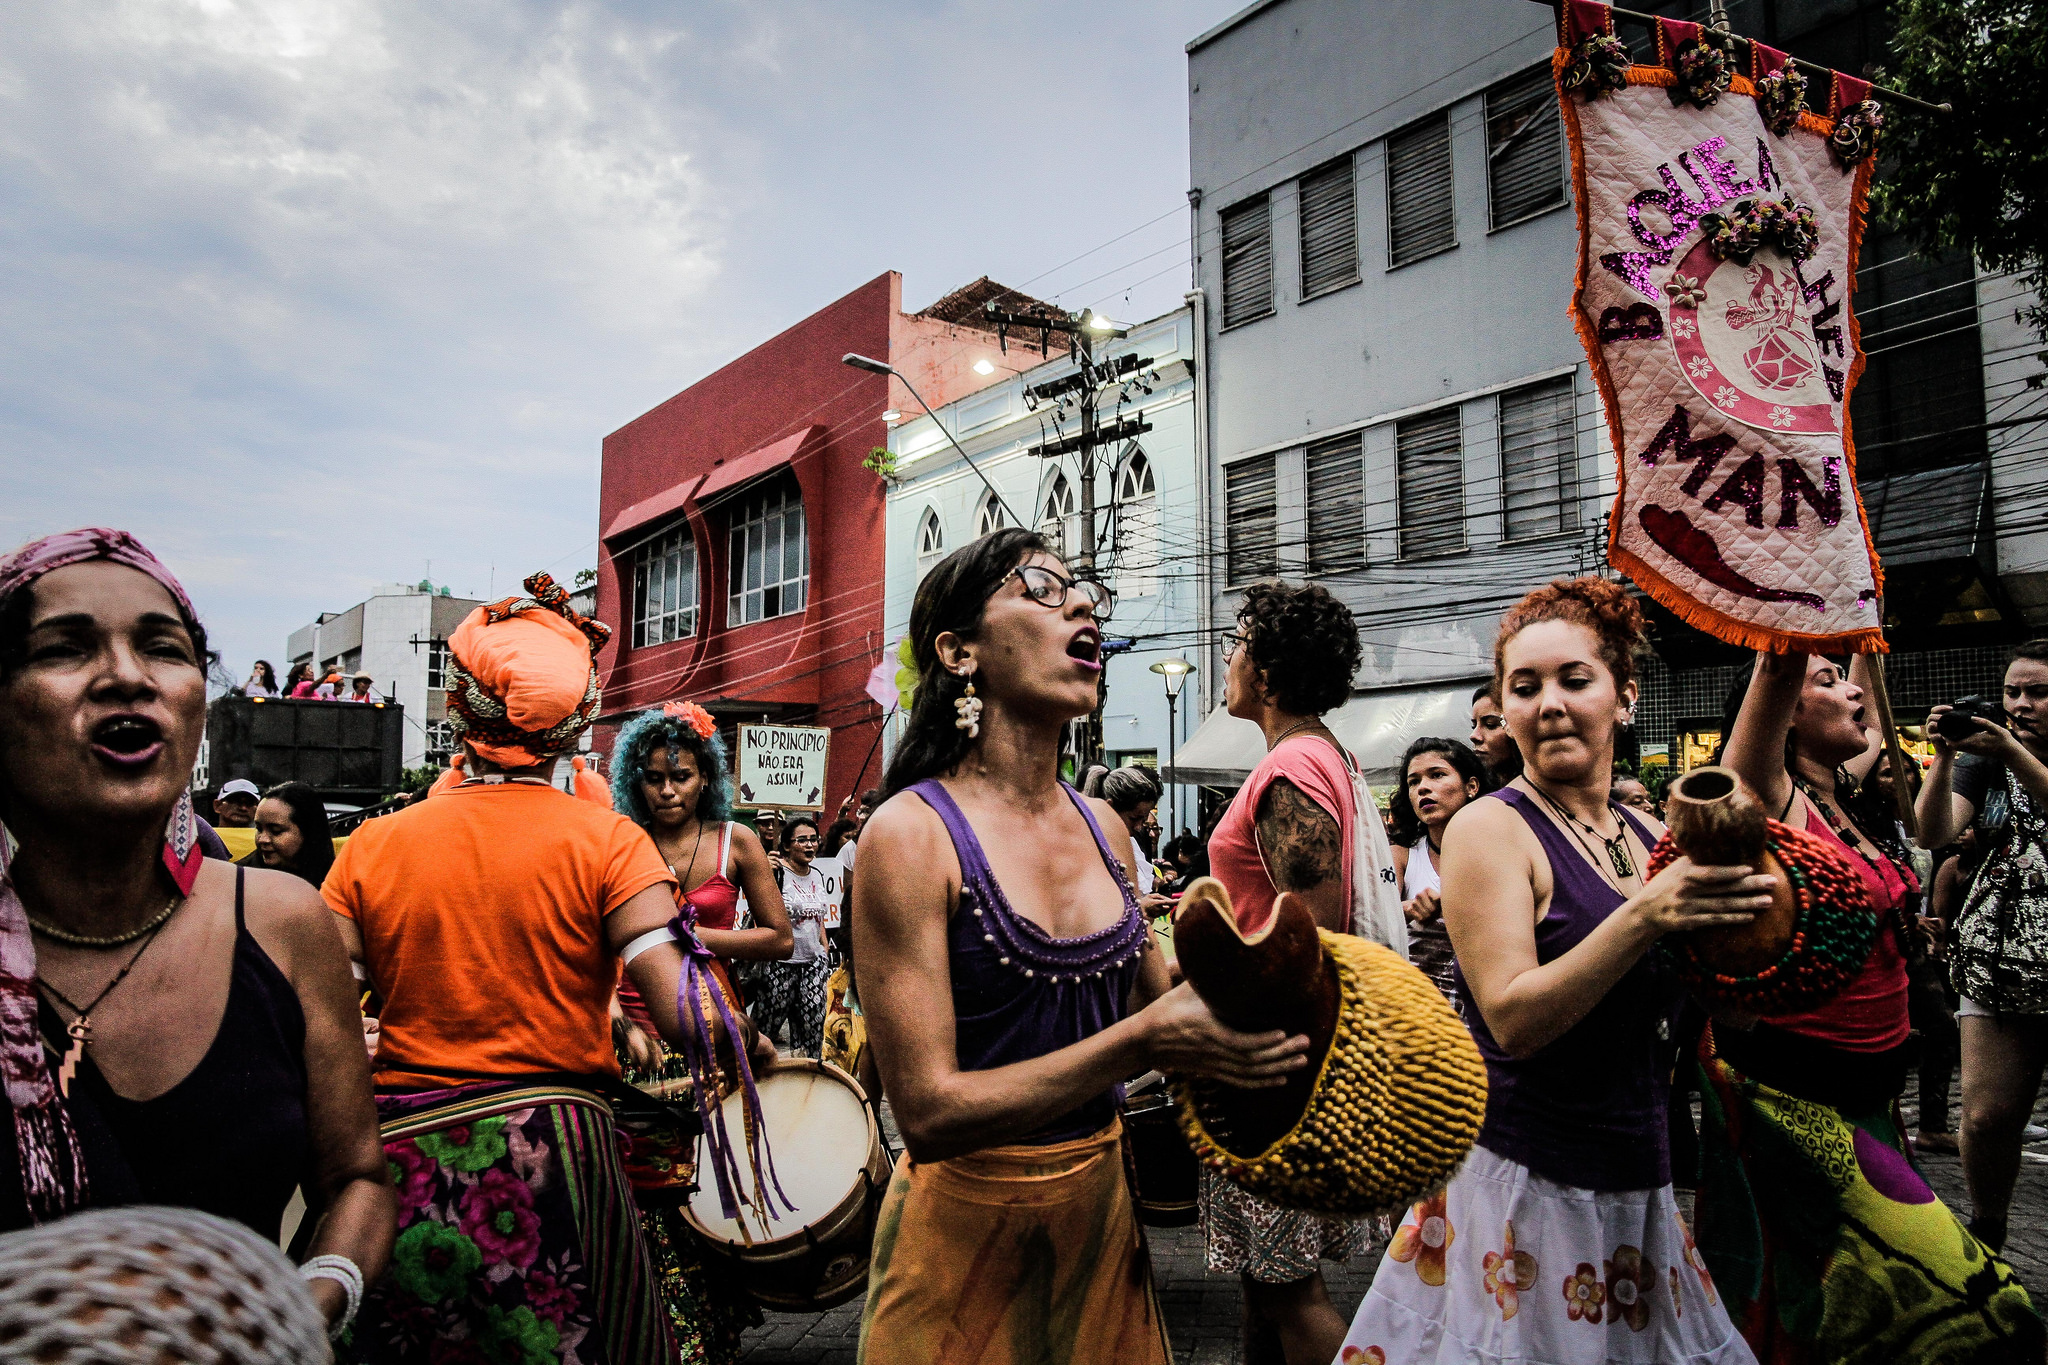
x=1234 y=642
x=1048 y=589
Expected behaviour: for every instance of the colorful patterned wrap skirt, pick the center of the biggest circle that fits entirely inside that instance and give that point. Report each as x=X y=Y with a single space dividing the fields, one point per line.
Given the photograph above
x=1830 y=1246
x=1507 y=1266
x=518 y=1241
x=1013 y=1256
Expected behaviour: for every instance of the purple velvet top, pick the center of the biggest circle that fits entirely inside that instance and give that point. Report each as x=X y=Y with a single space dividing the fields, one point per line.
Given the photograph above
x=1020 y=993
x=1587 y=1109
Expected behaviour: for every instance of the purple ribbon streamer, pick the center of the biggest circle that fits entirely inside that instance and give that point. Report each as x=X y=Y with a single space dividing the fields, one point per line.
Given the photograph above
x=700 y=1055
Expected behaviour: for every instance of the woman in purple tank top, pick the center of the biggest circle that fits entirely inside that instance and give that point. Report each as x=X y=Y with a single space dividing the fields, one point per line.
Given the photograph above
x=1010 y=984
x=1560 y=1240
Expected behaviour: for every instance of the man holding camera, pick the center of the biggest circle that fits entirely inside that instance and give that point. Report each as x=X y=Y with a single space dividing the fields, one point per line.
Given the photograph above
x=1988 y=755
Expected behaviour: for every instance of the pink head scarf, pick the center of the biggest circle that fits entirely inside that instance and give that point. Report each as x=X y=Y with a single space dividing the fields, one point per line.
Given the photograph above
x=52 y=1168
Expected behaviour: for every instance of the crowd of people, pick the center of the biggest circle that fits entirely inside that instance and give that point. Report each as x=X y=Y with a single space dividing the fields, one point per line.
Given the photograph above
x=440 y=1035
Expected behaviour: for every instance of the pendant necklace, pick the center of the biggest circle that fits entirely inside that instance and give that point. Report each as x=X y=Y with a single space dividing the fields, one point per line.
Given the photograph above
x=1618 y=856
x=1282 y=737
x=80 y=1027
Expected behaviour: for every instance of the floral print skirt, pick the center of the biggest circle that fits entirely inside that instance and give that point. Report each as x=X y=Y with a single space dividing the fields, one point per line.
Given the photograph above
x=518 y=1241
x=1507 y=1266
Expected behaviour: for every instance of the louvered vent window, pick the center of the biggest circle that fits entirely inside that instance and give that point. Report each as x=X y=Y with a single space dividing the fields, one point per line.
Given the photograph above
x=1329 y=229
x=1336 y=505
x=1432 y=484
x=1251 y=540
x=1420 y=221
x=1538 y=460
x=1524 y=148
x=1247 y=261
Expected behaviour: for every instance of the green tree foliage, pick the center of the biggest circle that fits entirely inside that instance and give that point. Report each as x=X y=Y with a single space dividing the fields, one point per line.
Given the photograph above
x=1976 y=179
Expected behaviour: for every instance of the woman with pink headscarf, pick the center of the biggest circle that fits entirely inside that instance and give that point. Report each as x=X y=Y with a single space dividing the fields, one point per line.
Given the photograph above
x=173 y=1029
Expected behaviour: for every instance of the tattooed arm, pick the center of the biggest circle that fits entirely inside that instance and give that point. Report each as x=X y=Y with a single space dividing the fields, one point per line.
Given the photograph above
x=1304 y=852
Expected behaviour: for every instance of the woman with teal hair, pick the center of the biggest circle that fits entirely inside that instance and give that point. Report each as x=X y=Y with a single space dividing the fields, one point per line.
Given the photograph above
x=668 y=774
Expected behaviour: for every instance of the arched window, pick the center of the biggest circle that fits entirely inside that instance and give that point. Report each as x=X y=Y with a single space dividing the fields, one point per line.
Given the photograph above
x=931 y=541
x=1137 y=511
x=1055 y=514
x=990 y=517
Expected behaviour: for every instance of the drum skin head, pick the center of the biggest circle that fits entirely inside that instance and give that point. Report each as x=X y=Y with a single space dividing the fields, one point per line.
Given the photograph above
x=818 y=1134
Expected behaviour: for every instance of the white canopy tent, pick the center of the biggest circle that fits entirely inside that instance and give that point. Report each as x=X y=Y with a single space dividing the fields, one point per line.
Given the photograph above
x=1375 y=726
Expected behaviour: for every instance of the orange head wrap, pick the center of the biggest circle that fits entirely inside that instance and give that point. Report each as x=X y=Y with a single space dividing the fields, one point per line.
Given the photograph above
x=522 y=678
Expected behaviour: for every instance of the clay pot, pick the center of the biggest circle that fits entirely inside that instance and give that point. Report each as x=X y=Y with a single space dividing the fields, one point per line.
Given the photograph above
x=1717 y=821
x=1273 y=978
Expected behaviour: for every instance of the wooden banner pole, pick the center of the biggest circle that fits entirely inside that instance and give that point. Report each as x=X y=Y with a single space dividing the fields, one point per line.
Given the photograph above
x=1902 y=791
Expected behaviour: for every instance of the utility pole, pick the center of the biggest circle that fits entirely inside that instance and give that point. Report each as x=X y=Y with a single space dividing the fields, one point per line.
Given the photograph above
x=1086 y=385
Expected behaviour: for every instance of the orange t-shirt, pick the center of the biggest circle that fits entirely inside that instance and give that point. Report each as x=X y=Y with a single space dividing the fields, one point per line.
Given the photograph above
x=482 y=915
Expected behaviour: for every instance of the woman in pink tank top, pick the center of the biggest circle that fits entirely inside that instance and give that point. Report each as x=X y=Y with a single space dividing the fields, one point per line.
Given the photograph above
x=1802 y=1247
x=1291 y=827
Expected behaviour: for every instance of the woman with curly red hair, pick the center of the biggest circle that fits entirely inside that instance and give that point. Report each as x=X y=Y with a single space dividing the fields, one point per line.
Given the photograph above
x=1560 y=1240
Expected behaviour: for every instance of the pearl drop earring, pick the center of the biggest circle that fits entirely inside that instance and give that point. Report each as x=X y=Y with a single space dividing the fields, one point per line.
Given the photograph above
x=969 y=708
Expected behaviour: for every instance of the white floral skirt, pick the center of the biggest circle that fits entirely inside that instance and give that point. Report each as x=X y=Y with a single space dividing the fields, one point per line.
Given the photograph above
x=1507 y=1266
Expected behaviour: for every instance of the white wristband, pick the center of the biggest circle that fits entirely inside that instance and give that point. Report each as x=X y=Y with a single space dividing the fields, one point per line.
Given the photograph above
x=650 y=939
x=345 y=1273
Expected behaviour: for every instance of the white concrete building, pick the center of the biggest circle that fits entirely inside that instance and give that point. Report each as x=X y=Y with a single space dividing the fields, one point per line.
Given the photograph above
x=1398 y=405
x=399 y=636
x=1149 y=514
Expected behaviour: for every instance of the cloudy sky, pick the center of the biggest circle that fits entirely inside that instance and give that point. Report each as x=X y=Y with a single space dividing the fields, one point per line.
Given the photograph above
x=308 y=293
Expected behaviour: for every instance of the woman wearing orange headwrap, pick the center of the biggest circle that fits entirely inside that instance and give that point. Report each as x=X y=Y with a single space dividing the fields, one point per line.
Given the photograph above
x=490 y=920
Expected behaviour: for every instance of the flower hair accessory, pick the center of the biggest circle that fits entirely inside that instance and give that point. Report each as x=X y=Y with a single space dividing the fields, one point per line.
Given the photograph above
x=692 y=715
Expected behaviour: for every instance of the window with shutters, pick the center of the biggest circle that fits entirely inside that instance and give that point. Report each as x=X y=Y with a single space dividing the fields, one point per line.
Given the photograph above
x=1329 y=228
x=1251 y=497
x=1137 y=510
x=1538 y=460
x=1247 y=261
x=770 y=563
x=1336 y=504
x=931 y=541
x=989 y=517
x=1420 y=217
x=1524 y=148
x=665 y=588
x=1430 y=459
x=1055 y=515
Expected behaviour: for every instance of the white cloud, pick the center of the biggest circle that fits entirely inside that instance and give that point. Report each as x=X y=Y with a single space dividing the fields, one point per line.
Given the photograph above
x=307 y=292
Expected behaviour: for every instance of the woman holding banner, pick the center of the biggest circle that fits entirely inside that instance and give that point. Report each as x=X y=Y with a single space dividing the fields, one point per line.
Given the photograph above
x=1817 y=1227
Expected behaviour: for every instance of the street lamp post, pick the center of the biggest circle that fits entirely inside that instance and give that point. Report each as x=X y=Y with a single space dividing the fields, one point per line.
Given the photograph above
x=1174 y=672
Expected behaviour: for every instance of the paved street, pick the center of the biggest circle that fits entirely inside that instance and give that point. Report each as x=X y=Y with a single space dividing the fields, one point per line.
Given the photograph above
x=1201 y=1309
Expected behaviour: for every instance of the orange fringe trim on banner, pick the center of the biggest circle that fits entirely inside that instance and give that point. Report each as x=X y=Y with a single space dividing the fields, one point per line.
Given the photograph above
x=1682 y=604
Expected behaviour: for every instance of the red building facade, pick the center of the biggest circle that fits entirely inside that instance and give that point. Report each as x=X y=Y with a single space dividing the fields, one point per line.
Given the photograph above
x=741 y=538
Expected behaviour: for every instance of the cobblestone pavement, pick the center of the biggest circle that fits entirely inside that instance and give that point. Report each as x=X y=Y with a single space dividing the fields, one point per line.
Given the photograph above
x=1202 y=1309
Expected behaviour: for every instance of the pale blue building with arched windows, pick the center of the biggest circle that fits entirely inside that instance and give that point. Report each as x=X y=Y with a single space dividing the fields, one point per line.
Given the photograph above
x=1149 y=518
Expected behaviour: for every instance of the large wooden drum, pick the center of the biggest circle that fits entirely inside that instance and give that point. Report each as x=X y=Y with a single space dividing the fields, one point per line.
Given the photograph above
x=829 y=1155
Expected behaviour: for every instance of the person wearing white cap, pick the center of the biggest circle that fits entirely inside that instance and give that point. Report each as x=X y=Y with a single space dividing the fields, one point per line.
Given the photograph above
x=234 y=805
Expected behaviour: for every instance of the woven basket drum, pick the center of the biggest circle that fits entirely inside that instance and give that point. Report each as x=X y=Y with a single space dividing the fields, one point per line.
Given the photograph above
x=1398 y=1090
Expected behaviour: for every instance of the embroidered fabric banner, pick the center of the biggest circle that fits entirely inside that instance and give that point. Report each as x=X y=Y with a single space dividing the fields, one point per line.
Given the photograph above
x=1719 y=222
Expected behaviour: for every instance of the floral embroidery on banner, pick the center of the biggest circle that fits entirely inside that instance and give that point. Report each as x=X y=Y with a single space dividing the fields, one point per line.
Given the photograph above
x=1699 y=1266
x=1371 y=1355
x=1425 y=1239
x=1508 y=1272
x=1630 y=1280
x=1677 y=1307
x=1584 y=1293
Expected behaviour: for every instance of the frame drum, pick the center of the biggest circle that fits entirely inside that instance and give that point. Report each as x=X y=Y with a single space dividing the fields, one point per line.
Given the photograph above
x=829 y=1155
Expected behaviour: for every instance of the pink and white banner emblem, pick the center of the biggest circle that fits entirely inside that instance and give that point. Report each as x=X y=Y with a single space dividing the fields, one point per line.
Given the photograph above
x=1719 y=222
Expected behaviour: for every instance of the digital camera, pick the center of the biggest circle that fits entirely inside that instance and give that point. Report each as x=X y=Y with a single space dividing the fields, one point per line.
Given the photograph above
x=1956 y=724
